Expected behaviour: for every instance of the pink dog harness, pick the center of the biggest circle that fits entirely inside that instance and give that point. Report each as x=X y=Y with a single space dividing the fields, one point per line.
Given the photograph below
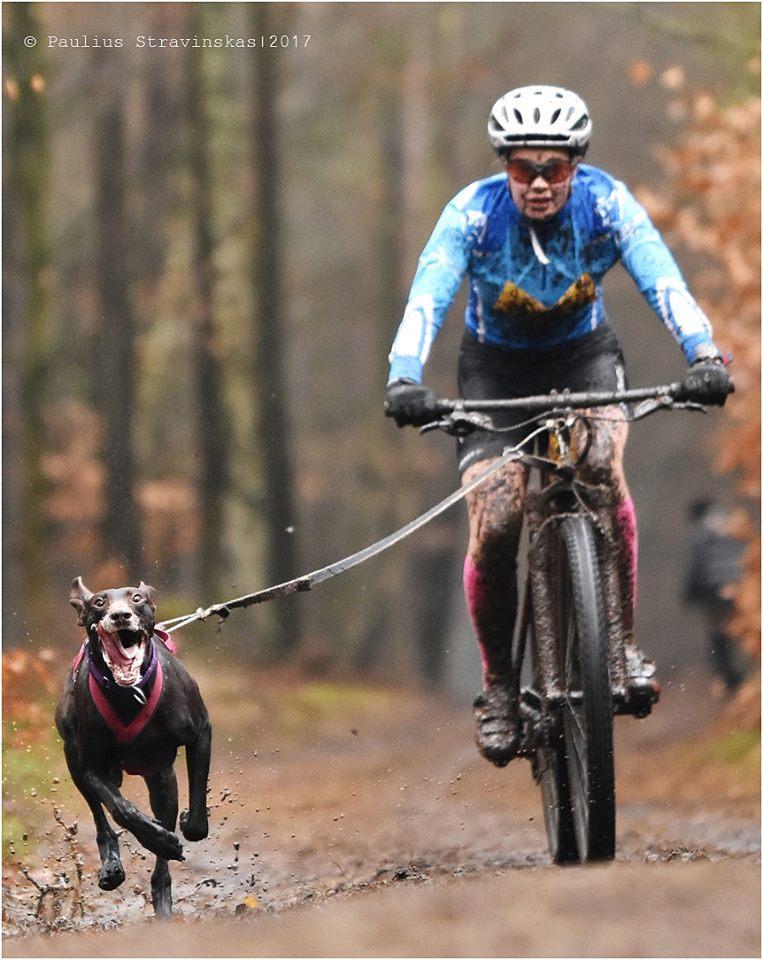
x=126 y=733
x=126 y=730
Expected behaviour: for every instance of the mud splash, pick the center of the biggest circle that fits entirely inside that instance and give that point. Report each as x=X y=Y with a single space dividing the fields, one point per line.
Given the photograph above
x=368 y=808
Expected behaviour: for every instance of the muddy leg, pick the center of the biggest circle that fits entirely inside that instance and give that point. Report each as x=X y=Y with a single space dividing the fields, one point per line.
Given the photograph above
x=194 y=822
x=152 y=835
x=112 y=872
x=604 y=465
x=490 y=568
x=490 y=587
x=163 y=795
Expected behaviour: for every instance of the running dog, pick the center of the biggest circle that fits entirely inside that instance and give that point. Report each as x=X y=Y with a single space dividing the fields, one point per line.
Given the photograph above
x=127 y=705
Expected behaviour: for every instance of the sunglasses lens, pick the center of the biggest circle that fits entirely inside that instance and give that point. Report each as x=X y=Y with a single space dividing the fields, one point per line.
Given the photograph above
x=524 y=172
x=556 y=170
x=521 y=171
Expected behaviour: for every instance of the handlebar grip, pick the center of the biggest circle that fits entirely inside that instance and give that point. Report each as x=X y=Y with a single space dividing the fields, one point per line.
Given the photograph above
x=679 y=392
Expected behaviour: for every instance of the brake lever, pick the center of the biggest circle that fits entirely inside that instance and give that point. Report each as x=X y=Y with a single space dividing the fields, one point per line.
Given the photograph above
x=460 y=423
x=647 y=407
x=435 y=425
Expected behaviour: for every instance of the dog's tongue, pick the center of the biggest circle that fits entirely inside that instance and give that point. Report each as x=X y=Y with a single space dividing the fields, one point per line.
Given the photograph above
x=124 y=664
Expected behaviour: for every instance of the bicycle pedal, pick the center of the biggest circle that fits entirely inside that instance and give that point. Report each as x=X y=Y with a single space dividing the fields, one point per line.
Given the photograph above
x=637 y=698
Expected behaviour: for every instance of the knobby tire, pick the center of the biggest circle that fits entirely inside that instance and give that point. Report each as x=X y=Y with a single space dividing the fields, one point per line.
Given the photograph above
x=551 y=774
x=587 y=710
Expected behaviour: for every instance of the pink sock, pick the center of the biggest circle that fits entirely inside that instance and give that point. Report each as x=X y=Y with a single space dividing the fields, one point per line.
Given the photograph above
x=492 y=607
x=627 y=531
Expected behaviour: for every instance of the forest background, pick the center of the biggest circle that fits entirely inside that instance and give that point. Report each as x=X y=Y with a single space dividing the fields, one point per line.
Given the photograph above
x=206 y=255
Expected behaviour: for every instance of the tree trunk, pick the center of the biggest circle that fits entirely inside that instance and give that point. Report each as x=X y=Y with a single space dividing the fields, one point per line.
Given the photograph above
x=26 y=331
x=159 y=150
x=213 y=431
x=115 y=357
x=384 y=641
x=273 y=435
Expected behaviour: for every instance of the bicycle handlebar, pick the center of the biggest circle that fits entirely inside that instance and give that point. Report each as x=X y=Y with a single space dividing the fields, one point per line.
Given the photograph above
x=564 y=399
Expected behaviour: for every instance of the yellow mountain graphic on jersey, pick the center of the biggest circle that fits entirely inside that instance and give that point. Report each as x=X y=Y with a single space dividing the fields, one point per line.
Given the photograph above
x=518 y=302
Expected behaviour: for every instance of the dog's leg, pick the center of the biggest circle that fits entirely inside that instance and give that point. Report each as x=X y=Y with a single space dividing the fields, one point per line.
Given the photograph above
x=194 y=822
x=151 y=834
x=112 y=872
x=163 y=794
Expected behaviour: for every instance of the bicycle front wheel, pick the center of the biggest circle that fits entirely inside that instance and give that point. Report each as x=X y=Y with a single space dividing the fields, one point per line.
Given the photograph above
x=587 y=709
x=550 y=771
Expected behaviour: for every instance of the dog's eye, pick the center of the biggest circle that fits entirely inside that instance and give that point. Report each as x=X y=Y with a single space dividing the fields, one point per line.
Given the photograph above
x=137 y=598
x=98 y=602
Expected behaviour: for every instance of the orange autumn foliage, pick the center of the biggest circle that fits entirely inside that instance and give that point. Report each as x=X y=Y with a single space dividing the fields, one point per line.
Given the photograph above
x=29 y=690
x=710 y=203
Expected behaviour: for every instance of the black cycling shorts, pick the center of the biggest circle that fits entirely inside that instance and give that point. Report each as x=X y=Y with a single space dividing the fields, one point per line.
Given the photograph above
x=487 y=372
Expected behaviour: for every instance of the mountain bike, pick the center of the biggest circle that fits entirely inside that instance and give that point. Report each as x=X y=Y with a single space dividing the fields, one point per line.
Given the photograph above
x=570 y=620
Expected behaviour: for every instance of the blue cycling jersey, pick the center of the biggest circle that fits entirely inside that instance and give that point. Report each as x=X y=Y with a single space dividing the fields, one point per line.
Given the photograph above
x=537 y=285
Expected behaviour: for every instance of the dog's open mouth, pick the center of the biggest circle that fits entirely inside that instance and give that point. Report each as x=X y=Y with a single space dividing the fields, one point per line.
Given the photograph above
x=124 y=652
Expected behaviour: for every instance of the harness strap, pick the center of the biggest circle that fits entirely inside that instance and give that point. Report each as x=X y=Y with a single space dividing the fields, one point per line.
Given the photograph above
x=125 y=733
x=78 y=659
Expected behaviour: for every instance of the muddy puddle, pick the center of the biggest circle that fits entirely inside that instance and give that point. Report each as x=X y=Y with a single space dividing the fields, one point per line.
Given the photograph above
x=366 y=808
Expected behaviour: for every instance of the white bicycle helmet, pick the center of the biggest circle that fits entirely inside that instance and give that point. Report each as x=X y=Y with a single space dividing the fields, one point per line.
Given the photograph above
x=540 y=116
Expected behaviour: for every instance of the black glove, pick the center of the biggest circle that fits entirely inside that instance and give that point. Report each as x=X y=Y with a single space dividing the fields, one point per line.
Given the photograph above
x=708 y=381
x=409 y=402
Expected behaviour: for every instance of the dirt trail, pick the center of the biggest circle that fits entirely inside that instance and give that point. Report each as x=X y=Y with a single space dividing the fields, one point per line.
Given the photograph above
x=389 y=836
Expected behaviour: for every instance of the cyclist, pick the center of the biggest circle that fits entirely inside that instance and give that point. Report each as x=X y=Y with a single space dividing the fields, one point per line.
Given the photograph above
x=713 y=563
x=535 y=242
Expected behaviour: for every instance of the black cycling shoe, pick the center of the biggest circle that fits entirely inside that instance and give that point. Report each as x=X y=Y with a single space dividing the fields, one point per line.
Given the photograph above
x=498 y=728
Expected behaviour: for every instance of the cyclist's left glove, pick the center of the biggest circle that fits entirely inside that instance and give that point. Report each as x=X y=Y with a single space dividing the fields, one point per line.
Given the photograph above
x=708 y=381
x=410 y=403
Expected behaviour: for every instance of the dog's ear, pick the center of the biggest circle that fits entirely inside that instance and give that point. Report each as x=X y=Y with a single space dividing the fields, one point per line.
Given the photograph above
x=78 y=597
x=150 y=593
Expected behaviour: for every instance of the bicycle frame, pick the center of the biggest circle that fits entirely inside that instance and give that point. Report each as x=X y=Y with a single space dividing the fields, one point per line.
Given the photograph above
x=562 y=493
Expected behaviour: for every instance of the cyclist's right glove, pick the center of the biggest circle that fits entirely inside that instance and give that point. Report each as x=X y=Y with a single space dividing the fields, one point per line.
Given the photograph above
x=708 y=381
x=410 y=403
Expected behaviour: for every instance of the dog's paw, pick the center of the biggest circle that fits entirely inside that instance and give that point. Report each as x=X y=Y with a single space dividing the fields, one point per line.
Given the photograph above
x=191 y=829
x=111 y=875
x=170 y=847
x=159 y=841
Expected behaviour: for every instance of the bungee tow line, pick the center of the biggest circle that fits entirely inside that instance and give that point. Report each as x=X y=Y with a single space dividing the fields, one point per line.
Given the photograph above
x=653 y=399
x=307 y=581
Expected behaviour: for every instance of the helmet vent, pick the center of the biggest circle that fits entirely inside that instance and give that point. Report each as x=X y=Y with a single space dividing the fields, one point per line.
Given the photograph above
x=536 y=115
x=555 y=116
x=581 y=122
x=518 y=115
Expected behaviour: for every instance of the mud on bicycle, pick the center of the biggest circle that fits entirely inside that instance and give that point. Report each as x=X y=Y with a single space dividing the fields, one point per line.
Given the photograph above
x=570 y=624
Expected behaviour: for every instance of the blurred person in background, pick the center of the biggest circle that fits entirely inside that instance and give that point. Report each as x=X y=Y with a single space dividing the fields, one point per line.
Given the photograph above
x=713 y=563
x=535 y=242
